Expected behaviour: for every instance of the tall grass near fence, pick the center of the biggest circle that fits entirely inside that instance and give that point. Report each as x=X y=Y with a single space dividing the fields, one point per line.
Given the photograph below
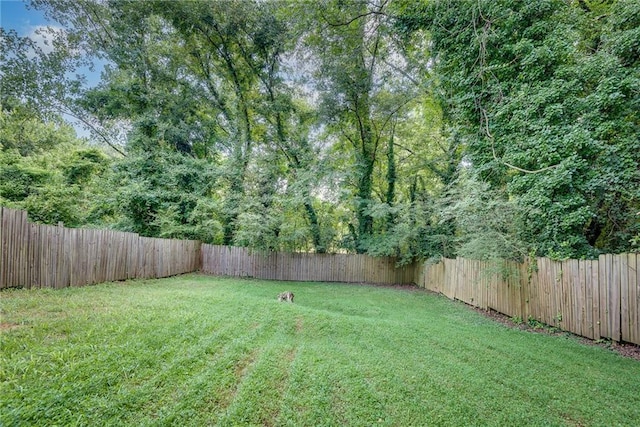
x=593 y=298
x=45 y=256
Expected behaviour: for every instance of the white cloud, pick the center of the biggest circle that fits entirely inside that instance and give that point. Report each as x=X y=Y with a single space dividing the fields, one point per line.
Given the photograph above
x=44 y=36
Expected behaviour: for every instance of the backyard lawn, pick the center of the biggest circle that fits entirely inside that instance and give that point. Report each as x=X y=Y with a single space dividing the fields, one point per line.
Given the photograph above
x=200 y=350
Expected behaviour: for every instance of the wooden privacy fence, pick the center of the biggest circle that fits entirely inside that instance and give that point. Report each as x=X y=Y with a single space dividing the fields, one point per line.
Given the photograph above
x=242 y=262
x=37 y=256
x=596 y=299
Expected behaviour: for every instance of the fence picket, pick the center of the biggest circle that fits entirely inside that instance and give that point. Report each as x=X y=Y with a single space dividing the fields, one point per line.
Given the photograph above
x=635 y=298
x=624 y=297
x=34 y=255
x=598 y=298
x=233 y=261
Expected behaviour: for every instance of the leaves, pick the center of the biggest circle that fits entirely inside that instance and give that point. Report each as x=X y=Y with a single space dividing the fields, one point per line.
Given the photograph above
x=533 y=90
x=407 y=128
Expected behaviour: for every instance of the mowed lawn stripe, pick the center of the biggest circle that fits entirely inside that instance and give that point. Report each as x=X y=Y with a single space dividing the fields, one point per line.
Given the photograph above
x=199 y=350
x=206 y=392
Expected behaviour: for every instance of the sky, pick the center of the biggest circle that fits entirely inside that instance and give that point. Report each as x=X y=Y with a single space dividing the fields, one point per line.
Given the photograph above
x=15 y=15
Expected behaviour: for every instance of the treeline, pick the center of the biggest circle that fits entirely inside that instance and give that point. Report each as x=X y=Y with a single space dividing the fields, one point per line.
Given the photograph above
x=406 y=128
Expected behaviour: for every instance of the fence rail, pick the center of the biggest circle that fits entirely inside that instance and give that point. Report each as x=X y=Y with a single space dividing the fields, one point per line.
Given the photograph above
x=243 y=262
x=593 y=298
x=39 y=256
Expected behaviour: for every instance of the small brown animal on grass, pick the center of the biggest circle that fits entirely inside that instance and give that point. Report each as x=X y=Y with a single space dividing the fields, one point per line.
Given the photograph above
x=286 y=296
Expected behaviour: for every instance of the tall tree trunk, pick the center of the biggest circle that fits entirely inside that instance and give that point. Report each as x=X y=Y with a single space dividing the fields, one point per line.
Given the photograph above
x=315 y=226
x=234 y=199
x=391 y=180
x=364 y=218
x=366 y=160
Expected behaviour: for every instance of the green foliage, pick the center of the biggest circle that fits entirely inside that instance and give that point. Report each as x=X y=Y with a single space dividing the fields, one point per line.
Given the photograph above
x=416 y=129
x=416 y=234
x=83 y=165
x=22 y=130
x=47 y=171
x=488 y=224
x=19 y=180
x=362 y=98
x=545 y=97
x=535 y=324
x=55 y=203
x=163 y=194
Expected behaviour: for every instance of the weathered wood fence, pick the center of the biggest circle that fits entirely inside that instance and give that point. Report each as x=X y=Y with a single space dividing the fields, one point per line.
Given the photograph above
x=596 y=299
x=243 y=262
x=38 y=256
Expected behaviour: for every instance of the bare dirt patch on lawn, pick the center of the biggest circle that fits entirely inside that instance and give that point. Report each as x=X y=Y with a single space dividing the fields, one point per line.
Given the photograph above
x=7 y=326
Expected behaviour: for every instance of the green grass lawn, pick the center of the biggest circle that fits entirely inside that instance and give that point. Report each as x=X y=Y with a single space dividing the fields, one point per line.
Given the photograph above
x=197 y=350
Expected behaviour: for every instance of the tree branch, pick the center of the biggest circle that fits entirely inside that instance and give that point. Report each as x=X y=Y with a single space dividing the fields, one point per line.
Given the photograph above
x=92 y=127
x=485 y=118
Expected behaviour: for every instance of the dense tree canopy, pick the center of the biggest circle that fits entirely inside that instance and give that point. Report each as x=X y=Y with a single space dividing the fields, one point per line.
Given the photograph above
x=412 y=128
x=545 y=96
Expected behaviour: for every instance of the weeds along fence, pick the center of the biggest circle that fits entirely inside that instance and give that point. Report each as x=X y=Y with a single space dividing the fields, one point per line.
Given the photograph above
x=243 y=262
x=38 y=256
x=593 y=298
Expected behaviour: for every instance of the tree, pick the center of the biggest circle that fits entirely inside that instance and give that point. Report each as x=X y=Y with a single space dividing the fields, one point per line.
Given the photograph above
x=161 y=194
x=204 y=79
x=42 y=81
x=237 y=57
x=361 y=96
x=46 y=170
x=545 y=108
